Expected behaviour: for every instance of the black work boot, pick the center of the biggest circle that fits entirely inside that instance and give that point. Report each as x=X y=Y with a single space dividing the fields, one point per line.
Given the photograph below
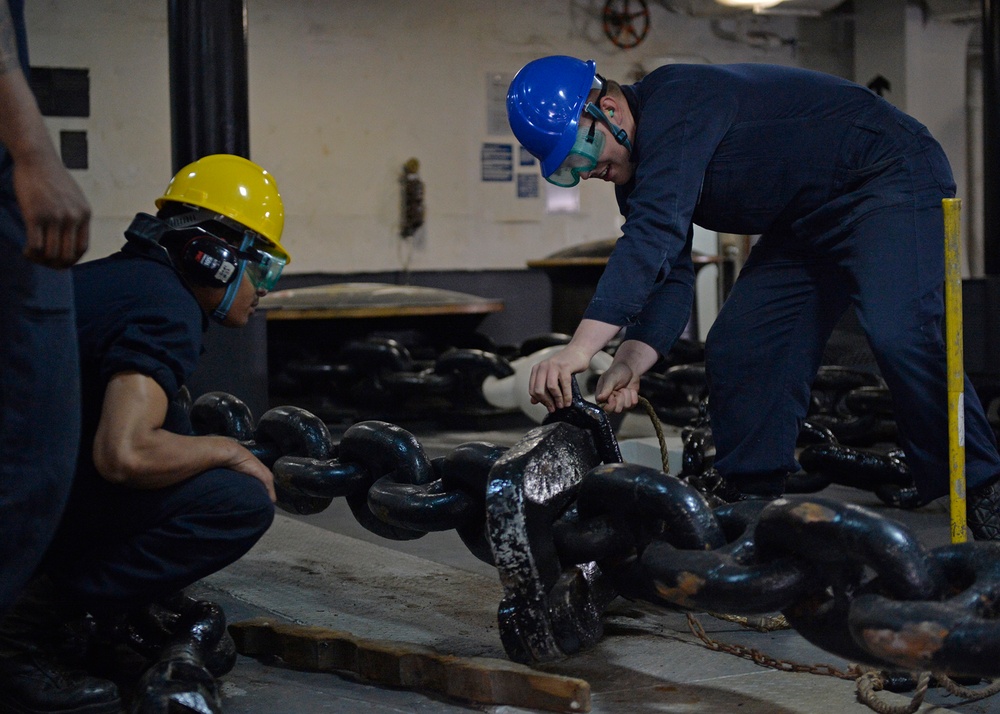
x=31 y=684
x=43 y=642
x=982 y=511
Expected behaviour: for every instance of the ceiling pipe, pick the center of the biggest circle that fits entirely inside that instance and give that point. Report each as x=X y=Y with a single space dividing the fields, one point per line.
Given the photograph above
x=209 y=107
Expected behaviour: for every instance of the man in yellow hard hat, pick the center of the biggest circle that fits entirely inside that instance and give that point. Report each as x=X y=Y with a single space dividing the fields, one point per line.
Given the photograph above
x=154 y=507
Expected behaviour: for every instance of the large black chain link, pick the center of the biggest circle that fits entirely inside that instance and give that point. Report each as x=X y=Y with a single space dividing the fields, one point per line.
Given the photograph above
x=569 y=527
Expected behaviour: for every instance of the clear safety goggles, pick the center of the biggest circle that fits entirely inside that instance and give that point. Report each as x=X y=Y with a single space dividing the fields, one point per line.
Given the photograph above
x=262 y=267
x=582 y=157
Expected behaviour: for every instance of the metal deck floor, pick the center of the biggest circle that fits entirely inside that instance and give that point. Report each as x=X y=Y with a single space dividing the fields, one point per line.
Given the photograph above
x=326 y=570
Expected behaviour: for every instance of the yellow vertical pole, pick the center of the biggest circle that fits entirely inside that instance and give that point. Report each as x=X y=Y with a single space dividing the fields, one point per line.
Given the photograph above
x=956 y=371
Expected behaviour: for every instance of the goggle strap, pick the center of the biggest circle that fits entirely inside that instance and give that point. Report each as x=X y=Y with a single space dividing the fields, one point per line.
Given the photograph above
x=254 y=255
x=594 y=110
x=220 y=312
x=620 y=135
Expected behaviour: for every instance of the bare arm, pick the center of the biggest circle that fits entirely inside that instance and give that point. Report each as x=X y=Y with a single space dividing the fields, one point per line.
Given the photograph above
x=133 y=449
x=56 y=213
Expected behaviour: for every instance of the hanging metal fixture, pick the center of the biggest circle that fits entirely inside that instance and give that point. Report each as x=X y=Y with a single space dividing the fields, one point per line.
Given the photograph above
x=784 y=7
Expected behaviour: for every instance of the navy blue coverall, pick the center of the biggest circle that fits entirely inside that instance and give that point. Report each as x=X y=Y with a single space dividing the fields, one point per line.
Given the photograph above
x=845 y=192
x=119 y=547
x=39 y=386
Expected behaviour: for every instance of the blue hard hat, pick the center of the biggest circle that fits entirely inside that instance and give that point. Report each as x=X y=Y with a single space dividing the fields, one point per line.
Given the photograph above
x=544 y=103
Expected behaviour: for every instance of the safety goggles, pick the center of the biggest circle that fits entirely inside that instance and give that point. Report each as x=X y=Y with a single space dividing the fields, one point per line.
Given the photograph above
x=582 y=157
x=263 y=268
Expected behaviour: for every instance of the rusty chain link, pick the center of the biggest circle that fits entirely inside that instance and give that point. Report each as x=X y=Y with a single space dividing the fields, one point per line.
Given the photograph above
x=569 y=527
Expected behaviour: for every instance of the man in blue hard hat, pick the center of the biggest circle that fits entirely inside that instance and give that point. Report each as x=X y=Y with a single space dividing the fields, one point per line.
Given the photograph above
x=845 y=192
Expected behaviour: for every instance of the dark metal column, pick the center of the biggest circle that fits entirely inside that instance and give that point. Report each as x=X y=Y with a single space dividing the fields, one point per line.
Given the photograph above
x=209 y=109
x=991 y=136
x=209 y=114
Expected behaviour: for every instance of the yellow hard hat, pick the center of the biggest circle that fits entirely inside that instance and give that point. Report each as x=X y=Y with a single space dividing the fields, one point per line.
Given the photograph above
x=233 y=187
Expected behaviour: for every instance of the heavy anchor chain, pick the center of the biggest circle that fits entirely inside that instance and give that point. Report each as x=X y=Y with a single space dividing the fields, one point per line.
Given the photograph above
x=854 y=404
x=850 y=409
x=547 y=611
x=824 y=461
x=381 y=371
x=570 y=527
x=179 y=679
x=392 y=487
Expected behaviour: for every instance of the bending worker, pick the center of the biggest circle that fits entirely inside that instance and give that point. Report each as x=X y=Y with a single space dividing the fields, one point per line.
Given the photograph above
x=153 y=508
x=845 y=192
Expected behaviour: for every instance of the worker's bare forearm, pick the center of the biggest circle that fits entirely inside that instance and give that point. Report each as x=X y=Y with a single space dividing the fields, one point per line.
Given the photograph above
x=639 y=356
x=162 y=458
x=133 y=448
x=591 y=336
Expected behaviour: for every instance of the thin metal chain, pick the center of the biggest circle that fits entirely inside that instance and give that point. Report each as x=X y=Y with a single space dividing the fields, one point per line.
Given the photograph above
x=867 y=680
x=852 y=672
x=761 y=623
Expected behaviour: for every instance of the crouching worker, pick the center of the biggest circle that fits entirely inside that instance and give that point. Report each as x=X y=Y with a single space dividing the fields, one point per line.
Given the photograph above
x=154 y=508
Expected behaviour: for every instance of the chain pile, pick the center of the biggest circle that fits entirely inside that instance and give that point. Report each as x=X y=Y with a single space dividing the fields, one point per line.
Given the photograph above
x=382 y=374
x=570 y=527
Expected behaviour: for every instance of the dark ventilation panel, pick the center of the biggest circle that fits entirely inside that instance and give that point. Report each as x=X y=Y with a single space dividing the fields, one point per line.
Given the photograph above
x=73 y=149
x=61 y=92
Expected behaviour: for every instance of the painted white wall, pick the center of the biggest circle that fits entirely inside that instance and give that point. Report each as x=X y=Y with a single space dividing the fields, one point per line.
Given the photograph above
x=124 y=46
x=939 y=97
x=342 y=93
x=925 y=60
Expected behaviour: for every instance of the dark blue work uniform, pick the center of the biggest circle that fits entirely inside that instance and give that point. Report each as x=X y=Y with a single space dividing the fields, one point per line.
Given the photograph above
x=119 y=547
x=39 y=386
x=845 y=191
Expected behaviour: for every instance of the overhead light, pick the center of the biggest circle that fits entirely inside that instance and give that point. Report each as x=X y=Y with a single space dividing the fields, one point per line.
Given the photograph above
x=801 y=8
x=755 y=4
